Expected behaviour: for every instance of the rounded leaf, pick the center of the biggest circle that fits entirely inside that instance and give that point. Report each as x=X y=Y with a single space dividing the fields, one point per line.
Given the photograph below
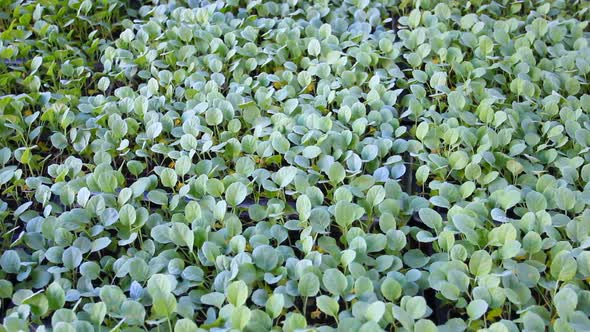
x=335 y=281
x=476 y=309
x=237 y=293
x=236 y=193
x=309 y=285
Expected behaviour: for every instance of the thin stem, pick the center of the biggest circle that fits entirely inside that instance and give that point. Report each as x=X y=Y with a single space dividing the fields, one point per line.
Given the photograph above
x=169 y=324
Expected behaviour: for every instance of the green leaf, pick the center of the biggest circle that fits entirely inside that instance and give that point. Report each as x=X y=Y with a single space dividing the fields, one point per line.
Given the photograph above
x=164 y=304
x=103 y=84
x=280 y=144
x=100 y=243
x=414 y=18
x=6 y=174
x=476 y=309
x=55 y=296
x=311 y=152
x=26 y=156
x=566 y=301
x=336 y=173
x=303 y=206
x=64 y=326
x=237 y=293
x=514 y=167
x=345 y=213
x=133 y=311
x=112 y=296
x=375 y=195
x=38 y=303
x=96 y=311
x=536 y=201
x=215 y=187
x=422 y=174
x=185 y=325
x=127 y=215
x=375 y=311
x=10 y=261
x=450 y=291
x=416 y=307
x=309 y=285
x=424 y=325
x=564 y=266
x=565 y=199
x=328 y=305
x=35 y=64
x=161 y=283
x=458 y=160
x=183 y=165
x=314 y=48
x=403 y=317
x=161 y=234
x=532 y=321
x=510 y=249
x=285 y=176
x=265 y=257
x=138 y=269
x=472 y=171
x=509 y=199
x=182 y=235
x=532 y=242
x=274 y=305
x=213 y=116
x=391 y=289
x=294 y=322
x=215 y=299
x=431 y=218
x=502 y=234
x=6 y=289
x=422 y=130
x=192 y=211
x=168 y=178
x=347 y=257
x=236 y=193
x=240 y=317
x=335 y=281
x=71 y=258
x=480 y=263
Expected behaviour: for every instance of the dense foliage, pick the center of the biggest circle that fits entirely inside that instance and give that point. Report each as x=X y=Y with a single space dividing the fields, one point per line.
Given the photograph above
x=294 y=165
